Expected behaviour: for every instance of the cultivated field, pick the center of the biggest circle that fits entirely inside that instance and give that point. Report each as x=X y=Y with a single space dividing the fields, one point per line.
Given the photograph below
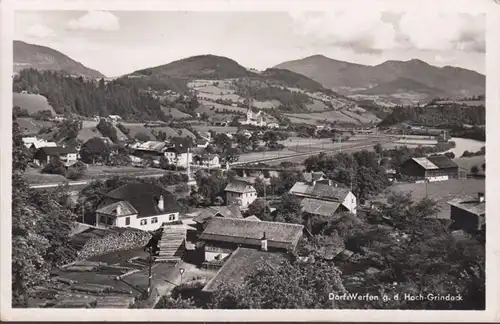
x=217 y=129
x=313 y=118
x=175 y=113
x=442 y=191
x=209 y=107
x=317 y=106
x=31 y=102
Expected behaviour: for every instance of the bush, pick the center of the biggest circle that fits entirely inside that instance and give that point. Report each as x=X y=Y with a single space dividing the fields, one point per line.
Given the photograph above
x=55 y=166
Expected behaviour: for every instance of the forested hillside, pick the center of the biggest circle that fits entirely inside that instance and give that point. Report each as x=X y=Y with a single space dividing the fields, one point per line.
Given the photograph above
x=434 y=115
x=87 y=97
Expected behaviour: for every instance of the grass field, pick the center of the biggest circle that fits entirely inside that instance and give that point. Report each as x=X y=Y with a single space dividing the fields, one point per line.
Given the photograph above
x=442 y=191
x=31 y=102
x=317 y=106
x=175 y=113
x=31 y=126
x=313 y=118
x=217 y=129
x=468 y=162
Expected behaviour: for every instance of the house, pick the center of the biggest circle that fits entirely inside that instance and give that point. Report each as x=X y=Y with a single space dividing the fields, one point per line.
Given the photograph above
x=273 y=125
x=139 y=205
x=242 y=263
x=222 y=236
x=431 y=168
x=201 y=217
x=468 y=213
x=114 y=118
x=220 y=120
x=202 y=143
x=255 y=119
x=36 y=143
x=207 y=160
x=323 y=199
x=313 y=177
x=152 y=149
x=66 y=155
x=178 y=152
x=240 y=193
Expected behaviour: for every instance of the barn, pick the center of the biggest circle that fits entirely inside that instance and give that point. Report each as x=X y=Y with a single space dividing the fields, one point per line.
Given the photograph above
x=431 y=168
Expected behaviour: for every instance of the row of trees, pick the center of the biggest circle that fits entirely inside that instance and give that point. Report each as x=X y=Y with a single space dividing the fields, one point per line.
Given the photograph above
x=41 y=224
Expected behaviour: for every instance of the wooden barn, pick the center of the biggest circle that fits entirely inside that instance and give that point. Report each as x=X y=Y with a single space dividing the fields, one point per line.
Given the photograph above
x=431 y=168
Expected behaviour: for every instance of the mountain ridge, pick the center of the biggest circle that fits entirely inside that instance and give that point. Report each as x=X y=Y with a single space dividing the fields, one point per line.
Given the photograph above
x=41 y=57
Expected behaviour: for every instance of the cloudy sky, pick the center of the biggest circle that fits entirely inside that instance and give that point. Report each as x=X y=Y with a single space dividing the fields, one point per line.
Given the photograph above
x=119 y=42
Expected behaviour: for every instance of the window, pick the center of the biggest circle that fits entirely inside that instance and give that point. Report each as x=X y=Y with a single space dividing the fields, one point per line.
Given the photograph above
x=127 y=221
x=154 y=220
x=171 y=217
x=144 y=221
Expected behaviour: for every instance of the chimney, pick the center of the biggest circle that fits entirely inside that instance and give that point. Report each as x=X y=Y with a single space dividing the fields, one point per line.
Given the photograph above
x=480 y=196
x=263 y=242
x=161 y=203
x=118 y=210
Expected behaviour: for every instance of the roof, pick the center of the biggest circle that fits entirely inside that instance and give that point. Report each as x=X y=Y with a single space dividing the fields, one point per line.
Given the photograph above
x=232 y=211
x=442 y=161
x=241 y=231
x=319 y=207
x=319 y=191
x=151 y=146
x=239 y=186
x=252 y=218
x=144 y=198
x=469 y=204
x=425 y=163
x=57 y=150
x=179 y=146
x=435 y=162
x=240 y=264
x=171 y=244
x=313 y=176
x=125 y=209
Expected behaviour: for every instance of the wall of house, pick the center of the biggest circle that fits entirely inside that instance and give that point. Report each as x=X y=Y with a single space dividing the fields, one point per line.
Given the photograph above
x=69 y=157
x=412 y=169
x=241 y=199
x=143 y=223
x=466 y=221
x=179 y=159
x=350 y=202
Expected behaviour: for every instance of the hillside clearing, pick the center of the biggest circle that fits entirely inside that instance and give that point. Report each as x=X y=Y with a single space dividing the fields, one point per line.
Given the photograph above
x=31 y=102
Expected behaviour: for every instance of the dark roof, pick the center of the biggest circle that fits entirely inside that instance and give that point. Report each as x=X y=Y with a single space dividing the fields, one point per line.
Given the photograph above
x=57 y=150
x=232 y=211
x=319 y=191
x=442 y=161
x=240 y=264
x=241 y=231
x=239 y=186
x=319 y=207
x=144 y=198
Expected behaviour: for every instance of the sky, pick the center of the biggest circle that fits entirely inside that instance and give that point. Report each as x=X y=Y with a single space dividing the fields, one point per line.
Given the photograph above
x=120 y=42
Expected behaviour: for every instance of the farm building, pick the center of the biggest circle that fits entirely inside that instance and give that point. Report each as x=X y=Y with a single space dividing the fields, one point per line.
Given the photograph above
x=324 y=199
x=431 y=168
x=240 y=193
x=468 y=213
x=44 y=155
x=138 y=205
x=202 y=216
x=207 y=160
x=222 y=236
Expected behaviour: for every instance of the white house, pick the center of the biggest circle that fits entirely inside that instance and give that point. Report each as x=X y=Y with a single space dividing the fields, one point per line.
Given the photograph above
x=240 y=193
x=67 y=155
x=36 y=143
x=324 y=199
x=114 y=118
x=178 y=154
x=207 y=160
x=138 y=205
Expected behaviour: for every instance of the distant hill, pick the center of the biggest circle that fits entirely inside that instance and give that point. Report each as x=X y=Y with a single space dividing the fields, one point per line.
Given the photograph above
x=44 y=58
x=351 y=78
x=403 y=85
x=198 y=67
x=293 y=80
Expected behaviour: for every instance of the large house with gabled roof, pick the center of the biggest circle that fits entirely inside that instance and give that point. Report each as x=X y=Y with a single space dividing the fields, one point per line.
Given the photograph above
x=431 y=168
x=139 y=205
x=240 y=193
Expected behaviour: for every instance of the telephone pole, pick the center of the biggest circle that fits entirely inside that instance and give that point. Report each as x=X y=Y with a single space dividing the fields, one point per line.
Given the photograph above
x=150 y=250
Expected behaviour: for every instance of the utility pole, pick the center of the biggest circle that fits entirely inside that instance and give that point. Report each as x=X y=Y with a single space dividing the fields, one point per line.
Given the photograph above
x=150 y=250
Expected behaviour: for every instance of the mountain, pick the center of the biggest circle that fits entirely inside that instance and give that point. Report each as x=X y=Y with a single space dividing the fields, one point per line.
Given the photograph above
x=352 y=78
x=293 y=80
x=198 y=67
x=403 y=85
x=45 y=58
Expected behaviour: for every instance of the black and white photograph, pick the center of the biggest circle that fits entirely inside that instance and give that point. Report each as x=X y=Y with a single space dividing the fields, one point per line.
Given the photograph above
x=300 y=158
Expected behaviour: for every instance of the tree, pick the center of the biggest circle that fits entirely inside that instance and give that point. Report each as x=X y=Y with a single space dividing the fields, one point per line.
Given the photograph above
x=168 y=302
x=270 y=138
x=474 y=170
x=142 y=137
x=222 y=142
x=21 y=156
x=95 y=150
x=291 y=285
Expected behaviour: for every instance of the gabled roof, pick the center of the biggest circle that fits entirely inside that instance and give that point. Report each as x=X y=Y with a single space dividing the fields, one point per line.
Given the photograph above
x=240 y=264
x=425 y=163
x=124 y=207
x=239 y=186
x=144 y=198
x=253 y=218
x=313 y=176
x=319 y=191
x=57 y=150
x=469 y=204
x=241 y=231
x=442 y=161
x=151 y=146
x=232 y=211
x=319 y=207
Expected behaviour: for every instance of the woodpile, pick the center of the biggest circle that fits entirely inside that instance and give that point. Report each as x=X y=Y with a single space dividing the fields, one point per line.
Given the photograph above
x=126 y=239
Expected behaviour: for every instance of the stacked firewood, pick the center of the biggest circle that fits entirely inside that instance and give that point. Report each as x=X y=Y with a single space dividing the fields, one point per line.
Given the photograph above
x=127 y=240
